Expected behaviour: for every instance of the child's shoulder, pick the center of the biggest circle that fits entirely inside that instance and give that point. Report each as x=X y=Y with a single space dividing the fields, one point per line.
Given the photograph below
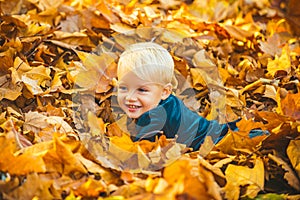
x=172 y=99
x=174 y=104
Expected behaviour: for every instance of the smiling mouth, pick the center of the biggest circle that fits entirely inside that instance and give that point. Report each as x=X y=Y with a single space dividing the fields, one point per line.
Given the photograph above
x=133 y=106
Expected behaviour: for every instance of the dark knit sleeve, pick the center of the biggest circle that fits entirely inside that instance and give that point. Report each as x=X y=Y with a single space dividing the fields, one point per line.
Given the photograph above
x=212 y=128
x=194 y=128
x=208 y=128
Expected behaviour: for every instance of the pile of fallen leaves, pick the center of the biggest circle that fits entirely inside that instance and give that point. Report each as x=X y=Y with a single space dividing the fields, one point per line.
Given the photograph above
x=61 y=134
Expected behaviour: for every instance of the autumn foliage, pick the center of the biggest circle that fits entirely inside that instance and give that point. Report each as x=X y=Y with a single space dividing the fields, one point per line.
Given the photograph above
x=61 y=135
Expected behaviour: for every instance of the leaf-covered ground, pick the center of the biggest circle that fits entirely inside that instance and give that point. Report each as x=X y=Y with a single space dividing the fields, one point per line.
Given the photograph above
x=61 y=135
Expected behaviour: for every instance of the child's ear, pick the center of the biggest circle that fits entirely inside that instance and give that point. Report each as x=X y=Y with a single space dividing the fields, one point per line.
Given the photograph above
x=167 y=90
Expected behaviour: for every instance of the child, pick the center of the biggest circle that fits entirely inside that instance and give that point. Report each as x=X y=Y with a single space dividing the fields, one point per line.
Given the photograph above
x=146 y=79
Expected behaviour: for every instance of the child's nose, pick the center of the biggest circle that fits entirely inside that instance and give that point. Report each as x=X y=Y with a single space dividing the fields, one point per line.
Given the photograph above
x=131 y=96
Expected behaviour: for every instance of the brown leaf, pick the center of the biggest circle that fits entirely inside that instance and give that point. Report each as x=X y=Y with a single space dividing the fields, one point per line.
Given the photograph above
x=11 y=92
x=34 y=187
x=197 y=77
x=293 y=15
x=45 y=127
x=13 y=6
x=289 y=174
x=6 y=62
x=73 y=39
x=237 y=32
x=273 y=45
x=280 y=139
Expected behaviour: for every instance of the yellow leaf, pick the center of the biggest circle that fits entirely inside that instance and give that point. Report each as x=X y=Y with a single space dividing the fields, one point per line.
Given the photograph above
x=282 y=63
x=73 y=39
x=41 y=74
x=252 y=178
x=98 y=72
x=143 y=159
x=56 y=82
x=270 y=92
x=173 y=35
x=198 y=80
x=121 y=28
x=20 y=67
x=206 y=146
x=124 y=142
x=10 y=93
x=157 y=186
x=32 y=85
x=47 y=4
x=97 y=126
x=155 y=155
x=293 y=152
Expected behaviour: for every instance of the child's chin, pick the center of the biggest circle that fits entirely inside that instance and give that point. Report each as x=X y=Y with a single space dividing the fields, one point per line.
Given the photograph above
x=133 y=115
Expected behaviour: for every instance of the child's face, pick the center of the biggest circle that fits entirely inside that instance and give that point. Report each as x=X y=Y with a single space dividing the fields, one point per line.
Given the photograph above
x=137 y=96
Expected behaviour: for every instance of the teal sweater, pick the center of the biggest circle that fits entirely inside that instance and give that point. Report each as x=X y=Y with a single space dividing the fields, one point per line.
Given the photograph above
x=174 y=119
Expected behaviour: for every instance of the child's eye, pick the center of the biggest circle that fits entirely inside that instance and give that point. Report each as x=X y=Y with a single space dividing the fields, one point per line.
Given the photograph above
x=122 y=88
x=143 y=90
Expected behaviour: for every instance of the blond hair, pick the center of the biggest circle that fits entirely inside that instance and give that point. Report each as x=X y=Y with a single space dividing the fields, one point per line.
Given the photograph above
x=149 y=61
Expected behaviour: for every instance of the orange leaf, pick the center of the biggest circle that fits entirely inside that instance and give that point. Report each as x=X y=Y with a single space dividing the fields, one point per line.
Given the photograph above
x=290 y=105
x=91 y=188
x=12 y=163
x=186 y=176
x=240 y=139
x=107 y=13
x=61 y=159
